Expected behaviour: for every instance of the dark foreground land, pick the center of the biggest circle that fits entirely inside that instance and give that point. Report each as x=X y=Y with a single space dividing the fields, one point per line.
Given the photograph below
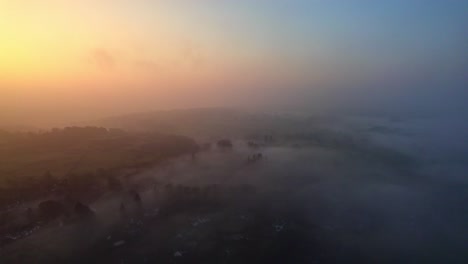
x=299 y=199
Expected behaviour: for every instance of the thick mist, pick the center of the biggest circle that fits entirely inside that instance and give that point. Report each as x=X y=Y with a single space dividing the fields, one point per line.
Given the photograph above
x=233 y=132
x=327 y=188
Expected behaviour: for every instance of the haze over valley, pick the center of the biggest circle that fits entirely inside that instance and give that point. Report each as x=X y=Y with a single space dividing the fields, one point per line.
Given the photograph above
x=233 y=131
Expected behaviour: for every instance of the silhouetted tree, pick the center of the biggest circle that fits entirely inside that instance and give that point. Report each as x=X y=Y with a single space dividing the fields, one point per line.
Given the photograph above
x=225 y=144
x=48 y=182
x=83 y=210
x=114 y=184
x=51 y=210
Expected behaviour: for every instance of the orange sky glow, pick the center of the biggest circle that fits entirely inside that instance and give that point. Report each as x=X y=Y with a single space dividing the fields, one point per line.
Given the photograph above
x=80 y=60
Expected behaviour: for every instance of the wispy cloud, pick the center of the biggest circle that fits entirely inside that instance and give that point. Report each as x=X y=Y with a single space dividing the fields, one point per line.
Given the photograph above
x=103 y=59
x=191 y=54
x=147 y=65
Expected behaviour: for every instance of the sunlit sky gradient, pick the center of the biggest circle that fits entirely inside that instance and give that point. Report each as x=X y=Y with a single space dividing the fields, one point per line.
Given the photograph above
x=86 y=59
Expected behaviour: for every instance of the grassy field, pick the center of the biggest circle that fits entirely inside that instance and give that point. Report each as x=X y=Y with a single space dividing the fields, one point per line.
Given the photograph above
x=26 y=158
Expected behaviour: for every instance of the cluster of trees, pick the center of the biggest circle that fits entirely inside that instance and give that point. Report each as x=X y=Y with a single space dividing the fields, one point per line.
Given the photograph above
x=66 y=132
x=87 y=186
x=56 y=138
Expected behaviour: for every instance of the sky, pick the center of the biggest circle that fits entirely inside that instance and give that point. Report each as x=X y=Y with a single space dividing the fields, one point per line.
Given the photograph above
x=82 y=60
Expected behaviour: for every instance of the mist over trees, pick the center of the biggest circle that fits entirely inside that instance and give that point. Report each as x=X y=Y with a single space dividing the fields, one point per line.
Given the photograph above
x=236 y=187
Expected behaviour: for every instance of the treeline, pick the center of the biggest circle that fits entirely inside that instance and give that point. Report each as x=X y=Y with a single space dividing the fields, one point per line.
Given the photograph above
x=59 y=135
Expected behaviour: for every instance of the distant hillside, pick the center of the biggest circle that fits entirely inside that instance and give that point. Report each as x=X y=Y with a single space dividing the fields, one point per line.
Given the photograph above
x=204 y=122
